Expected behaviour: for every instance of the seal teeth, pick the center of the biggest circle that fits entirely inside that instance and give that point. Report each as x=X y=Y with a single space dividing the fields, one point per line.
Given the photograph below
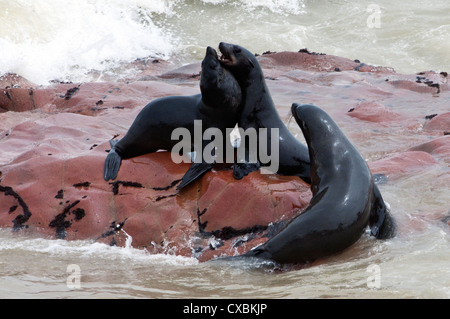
x=223 y=58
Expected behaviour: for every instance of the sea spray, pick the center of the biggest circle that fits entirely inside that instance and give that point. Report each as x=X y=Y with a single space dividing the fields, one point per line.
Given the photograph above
x=95 y=40
x=46 y=40
x=129 y=239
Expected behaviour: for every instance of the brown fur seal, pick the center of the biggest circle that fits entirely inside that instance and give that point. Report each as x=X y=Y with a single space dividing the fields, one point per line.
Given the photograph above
x=259 y=112
x=345 y=199
x=218 y=106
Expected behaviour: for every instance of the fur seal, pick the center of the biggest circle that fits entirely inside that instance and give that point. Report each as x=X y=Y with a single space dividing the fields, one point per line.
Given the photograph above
x=218 y=106
x=345 y=199
x=259 y=112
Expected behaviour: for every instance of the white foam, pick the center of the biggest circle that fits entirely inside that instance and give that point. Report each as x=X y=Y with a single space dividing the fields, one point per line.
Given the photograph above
x=65 y=40
x=44 y=40
x=85 y=249
x=276 y=6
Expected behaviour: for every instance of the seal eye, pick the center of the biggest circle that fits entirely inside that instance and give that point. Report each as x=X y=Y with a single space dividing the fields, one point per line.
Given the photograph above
x=237 y=50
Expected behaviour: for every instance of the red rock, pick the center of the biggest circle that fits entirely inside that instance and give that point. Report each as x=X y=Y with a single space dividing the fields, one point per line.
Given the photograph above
x=14 y=80
x=53 y=149
x=16 y=93
x=439 y=147
x=374 y=112
x=17 y=100
x=147 y=69
x=430 y=83
x=402 y=163
x=315 y=62
x=186 y=72
x=87 y=98
x=54 y=168
x=440 y=122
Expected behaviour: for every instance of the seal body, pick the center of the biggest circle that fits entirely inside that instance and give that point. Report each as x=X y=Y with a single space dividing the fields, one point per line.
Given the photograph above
x=345 y=199
x=259 y=112
x=218 y=106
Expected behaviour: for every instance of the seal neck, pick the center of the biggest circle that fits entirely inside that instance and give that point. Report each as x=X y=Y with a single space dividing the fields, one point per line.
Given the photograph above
x=256 y=96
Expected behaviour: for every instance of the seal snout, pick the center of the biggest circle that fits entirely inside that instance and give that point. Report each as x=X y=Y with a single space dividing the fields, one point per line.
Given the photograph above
x=226 y=49
x=296 y=109
x=211 y=51
x=304 y=113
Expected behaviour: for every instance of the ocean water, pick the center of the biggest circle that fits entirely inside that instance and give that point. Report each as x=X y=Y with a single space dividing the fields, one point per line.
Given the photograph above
x=44 y=40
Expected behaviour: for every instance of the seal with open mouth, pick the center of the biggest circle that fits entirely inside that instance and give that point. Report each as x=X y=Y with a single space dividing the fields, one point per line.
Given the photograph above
x=259 y=112
x=218 y=106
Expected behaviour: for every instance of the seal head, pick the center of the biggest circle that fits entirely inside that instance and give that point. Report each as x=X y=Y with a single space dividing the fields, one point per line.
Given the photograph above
x=238 y=60
x=218 y=86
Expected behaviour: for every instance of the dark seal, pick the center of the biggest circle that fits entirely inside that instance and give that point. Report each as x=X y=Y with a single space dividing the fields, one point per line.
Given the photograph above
x=259 y=112
x=218 y=106
x=345 y=199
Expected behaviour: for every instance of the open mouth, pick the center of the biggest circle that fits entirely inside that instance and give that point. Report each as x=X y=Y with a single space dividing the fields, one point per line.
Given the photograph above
x=226 y=58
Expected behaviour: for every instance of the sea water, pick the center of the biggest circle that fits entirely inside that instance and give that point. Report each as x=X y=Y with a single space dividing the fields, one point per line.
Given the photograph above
x=45 y=40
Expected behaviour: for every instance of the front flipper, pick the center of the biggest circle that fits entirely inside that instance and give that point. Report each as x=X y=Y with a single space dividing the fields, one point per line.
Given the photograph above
x=112 y=162
x=382 y=224
x=246 y=160
x=243 y=165
x=195 y=171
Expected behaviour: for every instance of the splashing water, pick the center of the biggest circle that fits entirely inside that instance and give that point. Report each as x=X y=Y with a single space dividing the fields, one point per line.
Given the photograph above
x=44 y=40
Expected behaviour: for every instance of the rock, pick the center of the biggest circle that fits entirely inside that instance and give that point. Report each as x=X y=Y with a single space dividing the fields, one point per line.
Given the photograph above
x=17 y=100
x=440 y=123
x=52 y=184
x=54 y=140
x=439 y=147
x=87 y=98
x=374 y=112
x=9 y=80
x=314 y=62
x=402 y=164
x=186 y=72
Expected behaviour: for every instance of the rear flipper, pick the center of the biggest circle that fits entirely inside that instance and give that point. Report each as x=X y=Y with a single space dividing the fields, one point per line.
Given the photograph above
x=257 y=253
x=195 y=171
x=112 y=162
x=382 y=224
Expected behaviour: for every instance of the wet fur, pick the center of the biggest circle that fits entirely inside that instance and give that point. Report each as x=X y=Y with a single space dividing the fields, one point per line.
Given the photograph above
x=259 y=112
x=345 y=199
x=218 y=105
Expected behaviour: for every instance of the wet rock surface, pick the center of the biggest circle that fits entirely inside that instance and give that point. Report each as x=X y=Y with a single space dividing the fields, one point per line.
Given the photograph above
x=54 y=140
